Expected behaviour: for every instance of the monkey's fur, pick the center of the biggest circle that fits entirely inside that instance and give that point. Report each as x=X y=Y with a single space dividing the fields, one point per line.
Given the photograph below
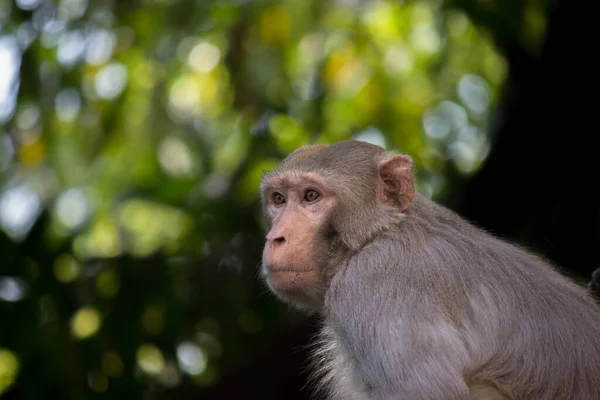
x=416 y=302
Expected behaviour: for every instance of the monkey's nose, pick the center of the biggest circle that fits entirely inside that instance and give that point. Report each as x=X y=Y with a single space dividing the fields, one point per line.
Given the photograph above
x=277 y=241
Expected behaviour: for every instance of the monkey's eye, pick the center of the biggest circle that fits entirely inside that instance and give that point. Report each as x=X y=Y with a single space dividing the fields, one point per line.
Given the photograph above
x=278 y=199
x=311 y=195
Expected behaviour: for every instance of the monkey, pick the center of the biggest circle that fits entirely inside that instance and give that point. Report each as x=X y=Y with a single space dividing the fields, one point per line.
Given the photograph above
x=416 y=302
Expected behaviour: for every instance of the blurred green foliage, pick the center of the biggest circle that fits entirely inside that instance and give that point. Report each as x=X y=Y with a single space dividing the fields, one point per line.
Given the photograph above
x=134 y=135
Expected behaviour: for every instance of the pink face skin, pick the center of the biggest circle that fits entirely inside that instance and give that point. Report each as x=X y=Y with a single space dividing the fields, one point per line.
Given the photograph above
x=298 y=206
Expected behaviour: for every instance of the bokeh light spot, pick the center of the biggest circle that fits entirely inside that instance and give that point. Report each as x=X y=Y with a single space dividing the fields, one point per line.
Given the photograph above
x=175 y=157
x=371 y=135
x=66 y=268
x=28 y=5
x=85 y=322
x=10 y=63
x=71 y=46
x=19 y=208
x=447 y=117
x=464 y=156
x=28 y=117
x=110 y=81
x=72 y=9
x=184 y=94
x=71 y=208
x=100 y=47
x=426 y=38
x=150 y=359
x=67 y=104
x=399 y=59
x=204 y=57
x=12 y=289
x=474 y=93
x=52 y=30
x=9 y=368
x=192 y=359
x=101 y=241
x=170 y=375
x=380 y=20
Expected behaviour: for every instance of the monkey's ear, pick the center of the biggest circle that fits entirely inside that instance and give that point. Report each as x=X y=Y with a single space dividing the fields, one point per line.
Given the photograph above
x=396 y=186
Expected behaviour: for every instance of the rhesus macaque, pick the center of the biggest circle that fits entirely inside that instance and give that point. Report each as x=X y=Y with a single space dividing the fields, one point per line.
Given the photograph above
x=416 y=302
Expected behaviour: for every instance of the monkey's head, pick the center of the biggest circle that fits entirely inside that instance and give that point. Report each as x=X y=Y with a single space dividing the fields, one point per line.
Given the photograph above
x=324 y=203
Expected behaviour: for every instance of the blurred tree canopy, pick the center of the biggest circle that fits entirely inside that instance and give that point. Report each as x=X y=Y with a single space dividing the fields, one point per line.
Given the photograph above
x=133 y=138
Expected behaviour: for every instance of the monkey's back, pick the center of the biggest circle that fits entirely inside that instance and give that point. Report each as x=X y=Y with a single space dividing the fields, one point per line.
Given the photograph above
x=528 y=328
x=547 y=344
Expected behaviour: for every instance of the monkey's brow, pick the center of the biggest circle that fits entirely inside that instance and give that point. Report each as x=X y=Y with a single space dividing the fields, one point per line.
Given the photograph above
x=269 y=180
x=268 y=177
x=288 y=179
x=275 y=180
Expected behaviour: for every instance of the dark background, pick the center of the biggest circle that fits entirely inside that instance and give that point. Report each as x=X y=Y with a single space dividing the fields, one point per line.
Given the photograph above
x=130 y=229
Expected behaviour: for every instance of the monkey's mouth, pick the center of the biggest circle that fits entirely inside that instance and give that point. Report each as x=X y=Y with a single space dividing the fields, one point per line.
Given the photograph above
x=282 y=279
x=270 y=268
x=287 y=273
x=288 y=270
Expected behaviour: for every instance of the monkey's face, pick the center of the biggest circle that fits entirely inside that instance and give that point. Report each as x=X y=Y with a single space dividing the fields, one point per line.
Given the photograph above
x=323 y=203
x=297 y=207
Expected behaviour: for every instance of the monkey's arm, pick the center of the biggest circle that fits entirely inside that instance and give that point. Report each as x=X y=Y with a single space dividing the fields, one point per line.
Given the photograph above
x=402 y=340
